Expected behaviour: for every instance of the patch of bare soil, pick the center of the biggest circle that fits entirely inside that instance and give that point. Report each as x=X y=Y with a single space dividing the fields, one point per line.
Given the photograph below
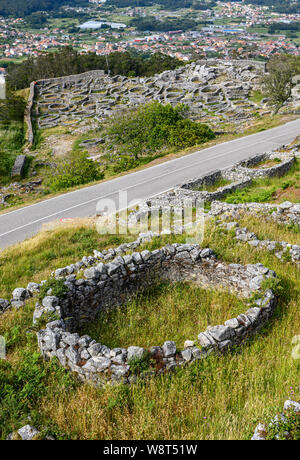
x=60 y=144
x=290 y=194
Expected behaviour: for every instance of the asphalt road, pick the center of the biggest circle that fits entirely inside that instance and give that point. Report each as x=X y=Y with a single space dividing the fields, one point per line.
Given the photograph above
x=16 y=226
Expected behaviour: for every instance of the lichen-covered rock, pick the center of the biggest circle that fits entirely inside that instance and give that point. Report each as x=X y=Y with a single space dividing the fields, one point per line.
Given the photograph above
x=169 y=349
x=28 y=432
x=135 y=352
x=260 y=433
x=20 y=294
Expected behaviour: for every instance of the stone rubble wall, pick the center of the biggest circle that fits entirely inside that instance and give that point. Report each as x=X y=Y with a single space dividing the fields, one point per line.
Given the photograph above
x=246 y=168
x=286 y=213
x=281 y=249
x=70 y=100
x=111 y=285
x=234 y=62
x=241 y=174
x=20 y=295
x=70 y=79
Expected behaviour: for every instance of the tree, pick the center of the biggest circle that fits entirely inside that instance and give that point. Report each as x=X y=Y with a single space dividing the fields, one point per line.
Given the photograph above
x=153 y=127
x=278 y=81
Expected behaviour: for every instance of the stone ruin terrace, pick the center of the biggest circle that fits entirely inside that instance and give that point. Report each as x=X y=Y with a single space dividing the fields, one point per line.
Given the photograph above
x=216 y=92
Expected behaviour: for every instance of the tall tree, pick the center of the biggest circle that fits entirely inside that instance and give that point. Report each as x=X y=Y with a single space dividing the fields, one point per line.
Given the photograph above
x=277 y=82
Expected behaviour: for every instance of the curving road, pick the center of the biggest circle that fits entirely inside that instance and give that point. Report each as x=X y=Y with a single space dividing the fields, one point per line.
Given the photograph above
x=16 y=226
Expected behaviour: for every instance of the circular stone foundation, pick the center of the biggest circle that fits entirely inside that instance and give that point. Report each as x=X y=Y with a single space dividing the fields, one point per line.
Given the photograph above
x=108 y=286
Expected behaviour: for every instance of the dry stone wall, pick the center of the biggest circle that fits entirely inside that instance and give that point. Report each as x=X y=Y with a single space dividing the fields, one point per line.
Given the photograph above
x=285 y=213
x=281 y=249
x=28 y=113
x=109 y=285
x=241 y=175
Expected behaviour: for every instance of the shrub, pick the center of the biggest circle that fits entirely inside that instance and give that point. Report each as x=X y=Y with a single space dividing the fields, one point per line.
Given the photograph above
x=187 y=133
x=286 y=427
x=124 y=163
x=250 y=195
x=153 y=127
x=274 y=284
x=76 y=171
x=12 y=108
x=140 y=365
x=56 y=285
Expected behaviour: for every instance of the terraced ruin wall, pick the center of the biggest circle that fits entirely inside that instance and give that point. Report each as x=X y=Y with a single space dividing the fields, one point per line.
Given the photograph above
x=217 y=94
x=100 y=73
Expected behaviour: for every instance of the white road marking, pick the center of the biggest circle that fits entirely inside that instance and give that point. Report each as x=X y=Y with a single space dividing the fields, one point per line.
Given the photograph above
x=133 y=186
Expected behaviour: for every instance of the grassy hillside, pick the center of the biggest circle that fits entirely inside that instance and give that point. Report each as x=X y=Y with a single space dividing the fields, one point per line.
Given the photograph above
x=11 y=141
x=217 y=398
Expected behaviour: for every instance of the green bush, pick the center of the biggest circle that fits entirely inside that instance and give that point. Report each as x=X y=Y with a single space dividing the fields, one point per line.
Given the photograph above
x=153 y=127
x=76 y=171
x=286 y=427
x=187 y=133
x=250 y=195
x=140 y=365
x=56 y=285
x=124 y=163
x=23 y=386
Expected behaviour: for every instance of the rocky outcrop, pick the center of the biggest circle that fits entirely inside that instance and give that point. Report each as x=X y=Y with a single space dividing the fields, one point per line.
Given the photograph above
x=19 y=166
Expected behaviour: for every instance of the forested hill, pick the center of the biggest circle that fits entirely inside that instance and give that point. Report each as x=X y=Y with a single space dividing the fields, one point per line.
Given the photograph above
x=22 y=8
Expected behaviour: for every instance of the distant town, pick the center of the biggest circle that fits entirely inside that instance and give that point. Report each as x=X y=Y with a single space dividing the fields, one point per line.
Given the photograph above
x=227 y=30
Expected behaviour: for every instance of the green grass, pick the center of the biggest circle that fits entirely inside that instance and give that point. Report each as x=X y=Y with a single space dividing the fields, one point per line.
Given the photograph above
x=256 y=97
x=221 y=397
x=176 y=312
x=272 y=231
x=11 y=142
x=275 y=189
x=49 y=250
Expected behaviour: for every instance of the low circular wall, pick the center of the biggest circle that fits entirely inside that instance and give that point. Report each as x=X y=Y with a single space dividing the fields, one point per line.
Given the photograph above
x=108 y=286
